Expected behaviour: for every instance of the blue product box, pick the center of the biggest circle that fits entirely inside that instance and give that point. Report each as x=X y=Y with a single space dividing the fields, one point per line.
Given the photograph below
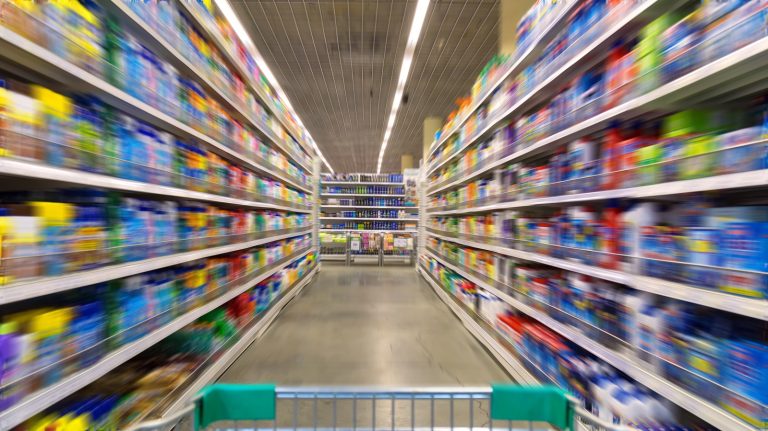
x=746 y=376
x=744 y=245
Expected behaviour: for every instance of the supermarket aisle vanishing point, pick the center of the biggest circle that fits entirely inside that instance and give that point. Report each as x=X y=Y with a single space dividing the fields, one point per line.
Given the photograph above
x=366 y=326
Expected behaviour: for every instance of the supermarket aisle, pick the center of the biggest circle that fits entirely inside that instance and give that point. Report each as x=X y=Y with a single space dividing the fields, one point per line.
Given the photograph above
x=367 y=326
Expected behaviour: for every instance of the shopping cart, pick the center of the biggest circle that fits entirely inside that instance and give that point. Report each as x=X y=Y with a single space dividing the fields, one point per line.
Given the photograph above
x=224 y=407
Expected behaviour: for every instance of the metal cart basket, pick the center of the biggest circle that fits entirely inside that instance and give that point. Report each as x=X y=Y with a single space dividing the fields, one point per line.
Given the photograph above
x=227 y=407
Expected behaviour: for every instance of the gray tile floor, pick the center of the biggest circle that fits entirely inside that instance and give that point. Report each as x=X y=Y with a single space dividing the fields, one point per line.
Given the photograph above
x=366 y=325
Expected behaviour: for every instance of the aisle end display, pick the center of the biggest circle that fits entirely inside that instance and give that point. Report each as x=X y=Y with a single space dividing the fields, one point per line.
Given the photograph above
x=369 y=217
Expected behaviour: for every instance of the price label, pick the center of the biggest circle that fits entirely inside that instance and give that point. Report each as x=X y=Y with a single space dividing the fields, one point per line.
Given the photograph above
x=355 y=245
x=401 y=242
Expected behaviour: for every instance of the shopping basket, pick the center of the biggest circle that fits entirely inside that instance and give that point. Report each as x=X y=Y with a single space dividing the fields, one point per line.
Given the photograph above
x=227 y=407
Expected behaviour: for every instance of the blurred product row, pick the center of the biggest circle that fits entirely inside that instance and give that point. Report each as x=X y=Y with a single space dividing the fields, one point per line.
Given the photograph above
x=696 y=243
x=85 y=134
x=363 y=190
x=51 y=234
x=362 y=178
x=90 y=37
x=152 y=380
x=43 y=344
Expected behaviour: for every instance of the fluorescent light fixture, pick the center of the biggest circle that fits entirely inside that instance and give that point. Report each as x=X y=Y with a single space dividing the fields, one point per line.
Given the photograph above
x=231 y=16
x=405 y=68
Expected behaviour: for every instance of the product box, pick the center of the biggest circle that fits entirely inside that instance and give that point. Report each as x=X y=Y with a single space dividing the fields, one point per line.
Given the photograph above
x=744 y=245
x=747 y=378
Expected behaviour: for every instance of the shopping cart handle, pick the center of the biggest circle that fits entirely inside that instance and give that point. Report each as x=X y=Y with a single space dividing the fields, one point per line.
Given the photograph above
x=548 y=404
x=235 y=403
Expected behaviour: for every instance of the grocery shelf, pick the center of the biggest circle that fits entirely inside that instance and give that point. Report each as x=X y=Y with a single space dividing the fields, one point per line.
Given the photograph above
x=216 y=38
x=514 y=367
x=370 y=218
x=19 y=50
x=524 y=59
x=44 y=398
x=33 y=288
x=750 y=307
x=159 y=44
x=370 y=230
x=384 y=207
x=641 y=12
x=43 y=172
x=737 y=180
x=228 y=357
x=360 y=183
x=368 y=195
x=635 y=369
x=733 y=65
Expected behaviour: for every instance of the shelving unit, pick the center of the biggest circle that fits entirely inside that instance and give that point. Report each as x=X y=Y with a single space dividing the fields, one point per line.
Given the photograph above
x=733 y=75
x=287 y=168
x=348 y=248
x=247 y=337
x=50 y=395
x=634 y=368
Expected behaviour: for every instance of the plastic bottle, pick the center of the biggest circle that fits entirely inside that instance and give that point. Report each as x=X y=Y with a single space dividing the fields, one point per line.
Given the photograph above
x=631 y=221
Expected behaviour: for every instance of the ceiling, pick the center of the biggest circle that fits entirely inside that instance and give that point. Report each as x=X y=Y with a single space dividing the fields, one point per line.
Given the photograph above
x=338 y=63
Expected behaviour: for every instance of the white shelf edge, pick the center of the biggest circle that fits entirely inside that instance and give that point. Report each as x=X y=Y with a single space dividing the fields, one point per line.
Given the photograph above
x=530 y=52
x=25 y=290
x=753 y=51
x=233 y=353
x=125 y=12
x=716 y=182
x=514 y=367
x=215 y=37
x=749 y=307
x=687 y=400
x=44 y=398
x=22 y=168
x=66 y=71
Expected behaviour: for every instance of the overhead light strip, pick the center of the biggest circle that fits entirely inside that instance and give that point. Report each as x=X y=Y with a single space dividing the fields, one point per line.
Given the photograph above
x=230 y=15
x=405 y=68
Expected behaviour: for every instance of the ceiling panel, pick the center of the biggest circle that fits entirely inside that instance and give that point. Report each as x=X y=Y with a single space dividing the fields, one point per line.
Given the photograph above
x=338 y=63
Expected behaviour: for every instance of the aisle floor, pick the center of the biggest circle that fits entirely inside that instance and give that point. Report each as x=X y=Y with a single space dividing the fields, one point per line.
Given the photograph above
x=366 y=325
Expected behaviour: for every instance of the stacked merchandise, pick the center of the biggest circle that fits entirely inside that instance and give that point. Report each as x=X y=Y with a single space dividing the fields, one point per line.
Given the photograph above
x=148 y=382
x=333 y=244
x=369 y=202
x=363 y=190
x=90 y=38
x=47 y=342
x=79 y=230
x=368 y=214
x=362 y=178
x=364 y=244
x=164 y=179
x=559 y=209
x=677 y=340
x=368 y=225
x=398 y=244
